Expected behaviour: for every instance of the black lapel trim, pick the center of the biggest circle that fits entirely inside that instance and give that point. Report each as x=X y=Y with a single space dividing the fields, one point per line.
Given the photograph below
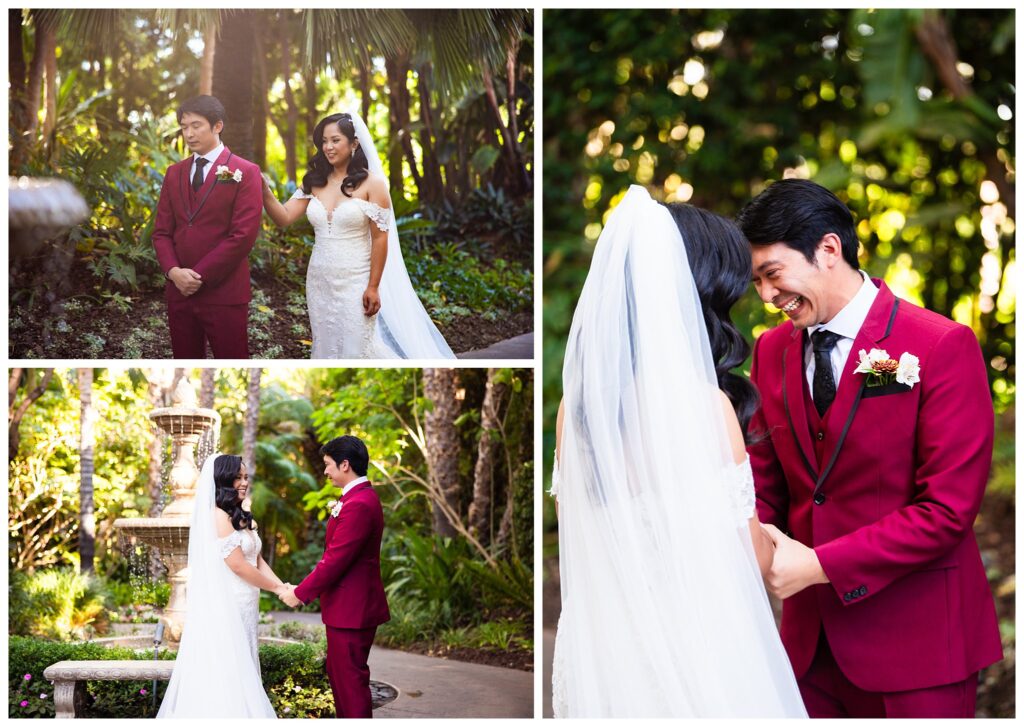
x=789 y=416
x=208 y=191
x=853 y=409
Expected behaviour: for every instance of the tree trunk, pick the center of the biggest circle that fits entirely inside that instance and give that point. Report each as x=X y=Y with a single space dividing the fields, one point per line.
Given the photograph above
x=287 y=129
x=87 y=517
x=50 y=61
x=261 y=104
x=16 y=414
x=480 y=522
x=513 y=156
x=365 y=80
x=34 y=88
x=252 y=419
x=433 y=190
x=206 y=65
x=312 y=116
x=232 y=80
x=442 y=442
x=206 y=385
x=18 y=116
x=401 y=141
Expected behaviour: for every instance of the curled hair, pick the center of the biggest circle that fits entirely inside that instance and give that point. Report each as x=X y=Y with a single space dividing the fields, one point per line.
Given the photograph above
x=319 y=168
x=719 y=259
x=225 y=471
x=798 y=213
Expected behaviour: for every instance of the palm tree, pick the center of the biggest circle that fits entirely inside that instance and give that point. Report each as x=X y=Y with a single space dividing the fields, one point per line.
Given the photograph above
x=442 y=443
x=87 y=512
x=252 y=418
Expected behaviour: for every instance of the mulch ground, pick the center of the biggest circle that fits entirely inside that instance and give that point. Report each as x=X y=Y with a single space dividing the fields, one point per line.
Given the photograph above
x=84 y=323
x=513 y=658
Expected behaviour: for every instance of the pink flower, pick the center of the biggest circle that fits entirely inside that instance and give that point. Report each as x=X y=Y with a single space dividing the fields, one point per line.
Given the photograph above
x=143 y=691
x=27 y=677
x=24 y=703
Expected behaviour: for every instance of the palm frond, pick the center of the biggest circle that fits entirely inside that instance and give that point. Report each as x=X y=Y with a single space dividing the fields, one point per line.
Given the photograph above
x=343 y=38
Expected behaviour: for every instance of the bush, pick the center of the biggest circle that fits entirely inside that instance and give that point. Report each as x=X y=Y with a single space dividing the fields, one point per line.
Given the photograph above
x=57 y=604
x=293 y=675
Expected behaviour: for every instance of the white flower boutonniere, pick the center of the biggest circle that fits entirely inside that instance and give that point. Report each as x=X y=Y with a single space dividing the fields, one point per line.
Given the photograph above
x=224 y=174
x=335 y=506
x=880 y=369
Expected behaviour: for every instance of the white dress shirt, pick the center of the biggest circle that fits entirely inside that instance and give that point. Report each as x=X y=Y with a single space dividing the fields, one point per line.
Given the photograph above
x=211 y=157
x=353 y=483
x=846 y=323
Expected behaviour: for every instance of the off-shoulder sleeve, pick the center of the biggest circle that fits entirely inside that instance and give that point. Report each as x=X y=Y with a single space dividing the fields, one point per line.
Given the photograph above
x=299 y=194
x=381 y=216
x=229 y=543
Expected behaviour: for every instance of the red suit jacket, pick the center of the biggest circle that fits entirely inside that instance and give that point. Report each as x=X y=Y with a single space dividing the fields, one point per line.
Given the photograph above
x=886 y=492
x=347 y=579
x=211 y=231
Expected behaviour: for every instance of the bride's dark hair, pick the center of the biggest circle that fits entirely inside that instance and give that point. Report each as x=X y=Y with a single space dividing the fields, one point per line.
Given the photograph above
x=319 y=168
x=225 y=470
x=719 y=257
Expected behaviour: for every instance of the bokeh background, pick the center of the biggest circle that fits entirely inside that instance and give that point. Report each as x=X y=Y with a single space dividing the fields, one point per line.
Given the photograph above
x=907 y=115
x=447 y=96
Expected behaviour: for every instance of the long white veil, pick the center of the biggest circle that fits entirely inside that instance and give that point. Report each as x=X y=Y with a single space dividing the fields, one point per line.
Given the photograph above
x=664 y=610
x=402 y=320
x=214 y=673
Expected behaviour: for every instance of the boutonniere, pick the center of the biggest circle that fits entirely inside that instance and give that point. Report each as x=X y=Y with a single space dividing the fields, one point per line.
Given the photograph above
x=224 y=174
x=335 y=506
x=880 y=369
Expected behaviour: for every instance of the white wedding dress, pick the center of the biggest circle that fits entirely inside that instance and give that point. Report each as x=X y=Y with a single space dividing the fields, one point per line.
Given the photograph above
x=217 y=668
x=664 y=612
x=338 y=273
x=339 y=270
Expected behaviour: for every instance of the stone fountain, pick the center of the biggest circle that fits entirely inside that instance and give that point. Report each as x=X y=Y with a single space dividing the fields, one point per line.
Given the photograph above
x=189 y=426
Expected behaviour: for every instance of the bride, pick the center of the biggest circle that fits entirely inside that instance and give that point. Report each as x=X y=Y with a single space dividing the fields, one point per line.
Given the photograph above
x=217 y=670
x=361 y=301
x=664 y=613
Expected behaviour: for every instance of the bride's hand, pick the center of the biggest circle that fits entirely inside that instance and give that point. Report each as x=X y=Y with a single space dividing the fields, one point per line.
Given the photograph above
x=371 y=302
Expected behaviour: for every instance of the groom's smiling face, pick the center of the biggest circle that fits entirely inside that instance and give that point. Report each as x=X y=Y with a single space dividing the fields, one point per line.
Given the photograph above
x=798 y=287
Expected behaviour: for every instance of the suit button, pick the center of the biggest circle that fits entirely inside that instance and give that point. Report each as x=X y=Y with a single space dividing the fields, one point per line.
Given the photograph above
x=821 y=435
x=862 y=591
x=847 y=596
x=819 y=498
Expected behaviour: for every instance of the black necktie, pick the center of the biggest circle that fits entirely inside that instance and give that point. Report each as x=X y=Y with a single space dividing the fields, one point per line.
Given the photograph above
x=197 y=178
x=824 y=389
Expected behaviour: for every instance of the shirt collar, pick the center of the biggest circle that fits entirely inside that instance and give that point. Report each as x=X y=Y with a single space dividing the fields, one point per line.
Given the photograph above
x=848 y=321
x=348 y=488
x=210 y=156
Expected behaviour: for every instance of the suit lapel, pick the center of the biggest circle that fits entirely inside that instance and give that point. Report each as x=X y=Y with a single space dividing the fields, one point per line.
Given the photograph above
x=876 y=328
x=793 y=396
x=344 y=498
x=210 y=183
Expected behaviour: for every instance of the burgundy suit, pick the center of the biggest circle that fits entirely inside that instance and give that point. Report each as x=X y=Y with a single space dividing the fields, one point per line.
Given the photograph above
x=211 y=231
x=885 y=488
x=352 y=601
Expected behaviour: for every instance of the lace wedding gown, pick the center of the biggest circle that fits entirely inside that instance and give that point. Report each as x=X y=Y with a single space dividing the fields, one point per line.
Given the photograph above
x=247 y=597
x=338 y=273
x=740 y=483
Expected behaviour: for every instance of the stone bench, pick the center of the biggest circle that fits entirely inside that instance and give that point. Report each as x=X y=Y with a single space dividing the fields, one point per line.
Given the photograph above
x=68 y=678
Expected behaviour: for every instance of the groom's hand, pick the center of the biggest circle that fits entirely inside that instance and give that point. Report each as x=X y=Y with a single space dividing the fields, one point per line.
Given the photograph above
x=794 y=567
x=186 y=280
x=287 y=594
x=371 y=301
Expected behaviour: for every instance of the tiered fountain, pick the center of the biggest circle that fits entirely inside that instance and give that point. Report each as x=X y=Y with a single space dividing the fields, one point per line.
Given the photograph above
x=189 y=425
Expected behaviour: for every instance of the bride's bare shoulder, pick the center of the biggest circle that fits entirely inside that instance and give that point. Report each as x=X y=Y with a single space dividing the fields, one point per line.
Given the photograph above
x=732 y=428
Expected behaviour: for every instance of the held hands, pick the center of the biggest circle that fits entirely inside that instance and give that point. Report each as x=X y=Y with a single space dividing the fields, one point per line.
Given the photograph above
x=371 y=301
x=286 y=592
x=186 y=280
x=794 y=567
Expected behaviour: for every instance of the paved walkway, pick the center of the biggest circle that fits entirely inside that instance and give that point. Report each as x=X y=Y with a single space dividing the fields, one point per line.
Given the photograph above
x=430 y=687
x=517 y=347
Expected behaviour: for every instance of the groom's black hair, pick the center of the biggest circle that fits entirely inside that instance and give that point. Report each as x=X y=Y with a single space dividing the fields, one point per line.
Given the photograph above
x=209 y=107
x=798 y=213
x=348 y=448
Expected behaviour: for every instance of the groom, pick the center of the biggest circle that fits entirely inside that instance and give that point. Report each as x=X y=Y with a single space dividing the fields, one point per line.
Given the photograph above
x=876 y=471
x=347 y=579
x=207 y=221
